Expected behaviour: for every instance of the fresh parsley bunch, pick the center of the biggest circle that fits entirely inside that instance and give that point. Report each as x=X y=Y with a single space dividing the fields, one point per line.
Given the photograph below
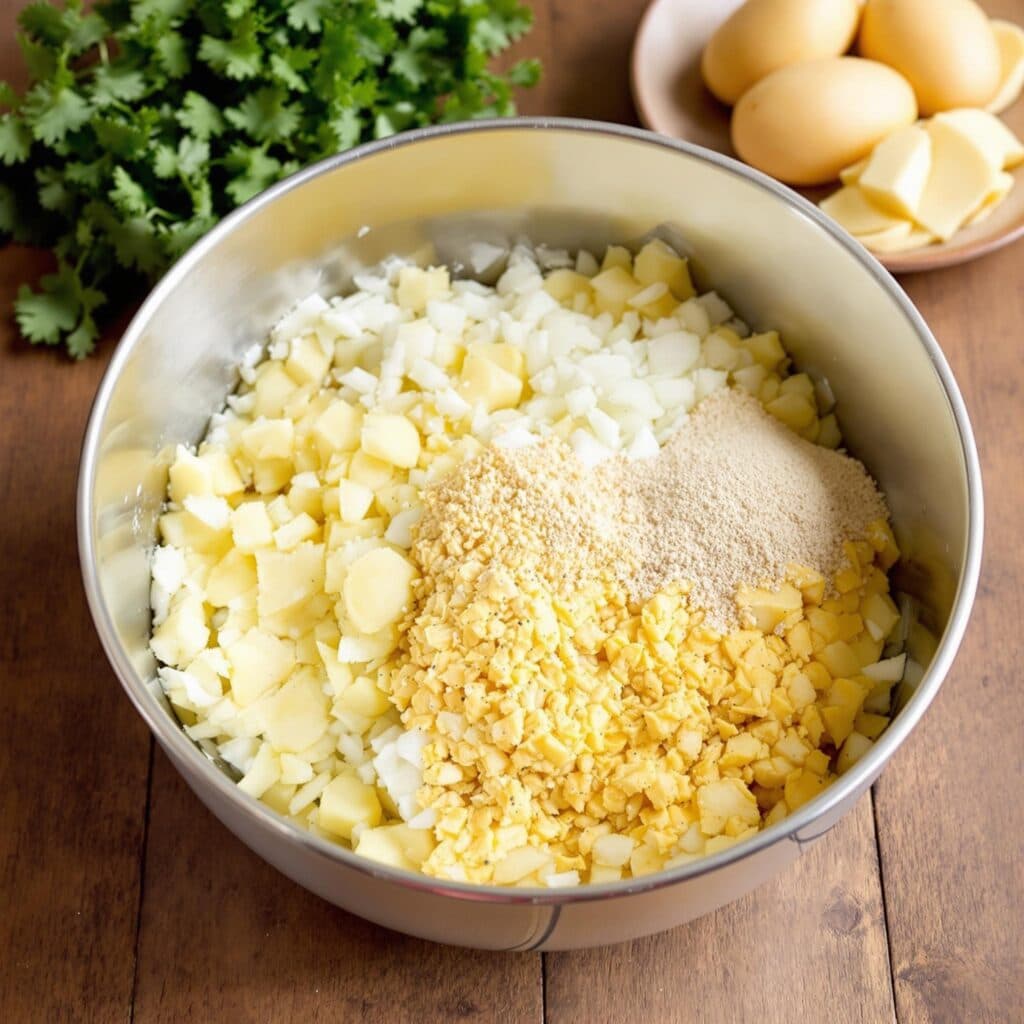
x=145 y=121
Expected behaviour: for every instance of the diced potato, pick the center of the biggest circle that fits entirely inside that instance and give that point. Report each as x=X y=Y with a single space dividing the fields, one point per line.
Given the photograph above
x=273 y=388
x=287 y=578
x=796 y=411
x=604 y=873
x=880 y=615
x=564 y=285
x=767 y=608
x=354 y=501
x=270 y=475
x=183 y=634
x=839 y=659
x=378 y=589
x=297 y=715
x=189 y=476
x=870 y=725
x=802 y=787
x=518 y=863
x=395 y=498
x=347 y=802
x=417 y=287
x=718 y=802
x=766 y=349
x=258 y=661
x=483 y=380
x=370 y=471
x=617 y=256
x=338 y=428
x=308 y=361
x=612 y=850
x=264 y=771
x=269 y=439
x=645 y=860
x=233 y=575
x=364 y=698
x=251 y=527
x=391 y=438
x=855 y=747
x=657 y=261
x=298 y=529
x=613 y=288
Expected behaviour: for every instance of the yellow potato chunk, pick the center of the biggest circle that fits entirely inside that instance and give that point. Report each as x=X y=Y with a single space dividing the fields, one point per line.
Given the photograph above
x=657 y=261
x=259 y=660
x=855 y=747
x=269 y=439
x=338 y=428
x=347 y=802
x=287 y=578
x=508 y=357
x=354 y=501
x=720 y=802
x=483 y=380
x=364 y=698
x=613 y=288
x=378 y=589
x=297 y=716
x=189 y=476
x=391 y=438
x=183 y=634
x=251 y=527
x=417 y=287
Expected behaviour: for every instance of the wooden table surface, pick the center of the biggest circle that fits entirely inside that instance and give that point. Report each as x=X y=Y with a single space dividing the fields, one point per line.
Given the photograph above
x=121 y=898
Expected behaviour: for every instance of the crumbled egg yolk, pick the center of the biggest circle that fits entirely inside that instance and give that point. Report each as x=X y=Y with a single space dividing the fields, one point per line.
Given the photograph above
x=595 y=736
x=293 y=615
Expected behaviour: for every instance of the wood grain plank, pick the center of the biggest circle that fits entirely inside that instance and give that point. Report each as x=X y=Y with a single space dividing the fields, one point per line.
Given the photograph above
x=73 y=754
x=951 y=820
x=808 y=946
x=225 y=937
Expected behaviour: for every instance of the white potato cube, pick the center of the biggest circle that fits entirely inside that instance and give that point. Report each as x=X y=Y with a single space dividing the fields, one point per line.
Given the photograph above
x=287 y=578
x=259 y=661
x=251 y=527
x=269 y=438
x=391 y=438
x=189 y=475
x=297 y=715
x=347 y=802
x=378 y=589
x=183 y=634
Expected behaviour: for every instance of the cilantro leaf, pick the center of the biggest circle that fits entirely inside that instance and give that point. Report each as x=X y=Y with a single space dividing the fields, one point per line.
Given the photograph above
x=128 y=195
x=265 y=115
x=43 y=22
x=15 y=140
x=400 y=10
x=199 y=116
x=53 y=193
x=239 y=57
x=145 y=121
x=307 y=14
x=172 y=53
x=117 y=84
x=44 y=316
x=53 y=112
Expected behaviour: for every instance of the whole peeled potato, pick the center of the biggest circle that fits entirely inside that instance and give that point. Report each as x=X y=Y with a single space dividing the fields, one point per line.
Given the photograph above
x=804 y=123
x=946 y=49
x=764 y=35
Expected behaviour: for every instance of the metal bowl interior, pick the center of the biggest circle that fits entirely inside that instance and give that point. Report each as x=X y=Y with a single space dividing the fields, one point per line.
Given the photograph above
x=566 y=183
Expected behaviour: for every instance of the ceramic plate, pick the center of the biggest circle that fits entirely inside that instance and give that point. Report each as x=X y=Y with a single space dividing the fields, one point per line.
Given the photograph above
x=671 y=98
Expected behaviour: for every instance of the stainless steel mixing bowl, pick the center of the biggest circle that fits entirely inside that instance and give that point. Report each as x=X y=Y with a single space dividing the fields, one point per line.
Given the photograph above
x=567 y=183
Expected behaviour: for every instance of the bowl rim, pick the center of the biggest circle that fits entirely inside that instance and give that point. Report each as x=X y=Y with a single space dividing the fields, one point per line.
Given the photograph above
x=169 y=733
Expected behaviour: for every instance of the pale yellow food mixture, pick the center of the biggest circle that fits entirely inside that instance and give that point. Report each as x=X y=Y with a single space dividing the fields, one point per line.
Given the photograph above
x=458 y=716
